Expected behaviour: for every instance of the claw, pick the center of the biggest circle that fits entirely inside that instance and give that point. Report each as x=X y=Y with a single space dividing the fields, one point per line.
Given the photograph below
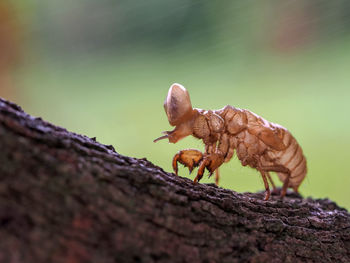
x=204 y=164
x=211 y=163
x=189 y=158
x=175 y=160
x=192 y=158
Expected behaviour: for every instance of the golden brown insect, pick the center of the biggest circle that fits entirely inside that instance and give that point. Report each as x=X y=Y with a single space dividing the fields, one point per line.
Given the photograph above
x=261 y=144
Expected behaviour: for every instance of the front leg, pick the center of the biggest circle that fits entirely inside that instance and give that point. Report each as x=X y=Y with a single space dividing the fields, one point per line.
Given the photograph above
x=190 y=158
x=212 y=162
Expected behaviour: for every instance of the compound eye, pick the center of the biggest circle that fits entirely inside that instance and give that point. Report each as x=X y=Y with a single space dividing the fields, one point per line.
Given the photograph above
x=177 y=104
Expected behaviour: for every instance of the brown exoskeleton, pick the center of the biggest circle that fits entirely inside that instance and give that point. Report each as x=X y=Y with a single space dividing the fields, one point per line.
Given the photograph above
x=261 y=144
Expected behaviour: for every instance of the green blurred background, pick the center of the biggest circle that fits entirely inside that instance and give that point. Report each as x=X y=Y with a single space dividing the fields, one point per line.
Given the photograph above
x=103 y=68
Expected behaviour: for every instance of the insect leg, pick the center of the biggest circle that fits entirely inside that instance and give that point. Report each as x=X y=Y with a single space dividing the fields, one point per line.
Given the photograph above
x=175 y=160
x=285 y=186
x=271 y=181
x=190 y=158
x=279 y=169
x=201 y=170
x=267 y=189
x=212 y=162
x=295 y=188
x=217 y=176
x=275 y=168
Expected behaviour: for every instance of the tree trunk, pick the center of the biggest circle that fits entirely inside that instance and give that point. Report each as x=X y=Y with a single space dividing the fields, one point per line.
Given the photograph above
x=66 y=198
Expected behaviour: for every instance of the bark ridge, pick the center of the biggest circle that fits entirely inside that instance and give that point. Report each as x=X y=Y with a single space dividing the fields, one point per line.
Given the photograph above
x=65 y=197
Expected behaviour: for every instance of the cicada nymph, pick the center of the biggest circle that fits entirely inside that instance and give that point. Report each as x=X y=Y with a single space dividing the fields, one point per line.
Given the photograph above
x=258 y=143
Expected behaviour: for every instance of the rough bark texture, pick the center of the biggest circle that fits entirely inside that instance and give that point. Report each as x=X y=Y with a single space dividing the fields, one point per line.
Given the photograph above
x=66 y=198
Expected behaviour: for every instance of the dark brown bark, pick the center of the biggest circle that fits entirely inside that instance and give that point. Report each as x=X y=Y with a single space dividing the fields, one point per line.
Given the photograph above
x=66 y=198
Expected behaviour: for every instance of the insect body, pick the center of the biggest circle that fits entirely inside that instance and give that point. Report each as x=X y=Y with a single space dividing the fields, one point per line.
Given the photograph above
x=261 y=144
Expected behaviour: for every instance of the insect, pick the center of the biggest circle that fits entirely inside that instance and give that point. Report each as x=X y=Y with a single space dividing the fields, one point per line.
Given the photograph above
x=258 y=143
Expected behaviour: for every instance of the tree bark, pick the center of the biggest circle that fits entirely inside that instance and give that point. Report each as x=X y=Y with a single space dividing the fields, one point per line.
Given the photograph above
x=66 y=198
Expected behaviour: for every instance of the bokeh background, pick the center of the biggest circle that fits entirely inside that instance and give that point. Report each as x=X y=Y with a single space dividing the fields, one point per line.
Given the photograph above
x=103 y=69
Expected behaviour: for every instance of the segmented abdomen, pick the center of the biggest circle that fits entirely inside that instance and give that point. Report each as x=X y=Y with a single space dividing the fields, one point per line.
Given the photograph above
x=293 y=159
x=255 y=138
